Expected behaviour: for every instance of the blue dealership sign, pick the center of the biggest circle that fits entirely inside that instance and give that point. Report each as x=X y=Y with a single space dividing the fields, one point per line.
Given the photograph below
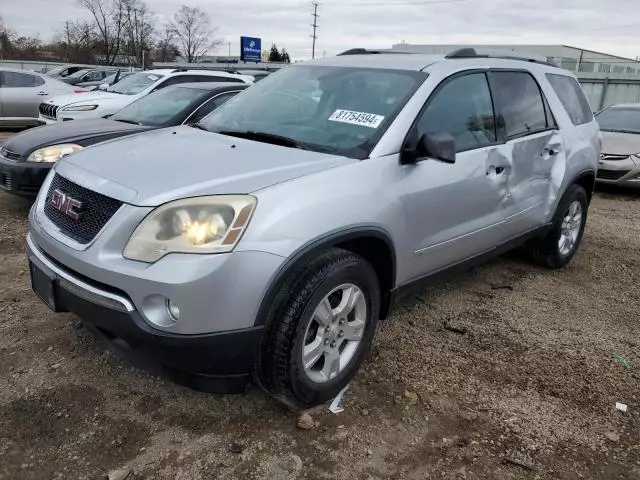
x=250 y=49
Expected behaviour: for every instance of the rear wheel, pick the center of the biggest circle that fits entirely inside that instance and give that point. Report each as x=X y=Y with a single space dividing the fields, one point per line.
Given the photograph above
x=559 y=246
x=320 y=330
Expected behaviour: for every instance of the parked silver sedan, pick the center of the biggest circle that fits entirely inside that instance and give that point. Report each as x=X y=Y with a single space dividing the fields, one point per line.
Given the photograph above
x=620 y=159
x=22 y=92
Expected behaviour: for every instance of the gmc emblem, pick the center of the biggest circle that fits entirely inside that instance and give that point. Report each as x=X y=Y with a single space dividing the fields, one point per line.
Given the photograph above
x=66 y=204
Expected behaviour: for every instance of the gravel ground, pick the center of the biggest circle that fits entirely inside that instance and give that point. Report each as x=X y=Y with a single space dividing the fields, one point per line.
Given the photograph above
x=526 y=389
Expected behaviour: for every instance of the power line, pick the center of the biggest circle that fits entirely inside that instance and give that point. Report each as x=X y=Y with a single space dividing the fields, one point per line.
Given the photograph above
x=315 y=26
x=391 y=4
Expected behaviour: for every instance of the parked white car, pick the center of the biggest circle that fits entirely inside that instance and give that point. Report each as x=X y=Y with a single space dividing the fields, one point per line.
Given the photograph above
x=99 y=104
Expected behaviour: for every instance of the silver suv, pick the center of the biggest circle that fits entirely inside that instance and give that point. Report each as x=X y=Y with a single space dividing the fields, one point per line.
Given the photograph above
x=270 y=238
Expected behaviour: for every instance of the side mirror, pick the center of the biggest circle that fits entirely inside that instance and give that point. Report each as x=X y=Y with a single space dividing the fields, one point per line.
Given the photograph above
x=103 y=86
x=439 y=146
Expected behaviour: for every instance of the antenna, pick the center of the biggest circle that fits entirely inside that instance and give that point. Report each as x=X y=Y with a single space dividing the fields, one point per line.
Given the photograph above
x=315 y=26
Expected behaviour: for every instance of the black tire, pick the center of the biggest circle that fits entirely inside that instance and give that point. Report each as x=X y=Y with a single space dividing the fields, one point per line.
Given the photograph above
x=546 y=251
x=279 y=368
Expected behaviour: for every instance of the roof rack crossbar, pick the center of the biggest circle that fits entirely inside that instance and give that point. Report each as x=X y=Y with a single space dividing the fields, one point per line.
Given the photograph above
x=366 y=51
x=469 y=52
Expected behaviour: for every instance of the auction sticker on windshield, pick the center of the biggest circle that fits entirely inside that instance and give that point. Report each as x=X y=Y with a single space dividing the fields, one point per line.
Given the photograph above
x=357 y=118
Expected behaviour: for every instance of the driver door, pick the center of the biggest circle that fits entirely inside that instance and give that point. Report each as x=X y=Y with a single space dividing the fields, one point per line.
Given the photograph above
x=456 y=210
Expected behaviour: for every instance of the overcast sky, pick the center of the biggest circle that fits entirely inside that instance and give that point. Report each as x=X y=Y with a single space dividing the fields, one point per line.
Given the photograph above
x=611 y=26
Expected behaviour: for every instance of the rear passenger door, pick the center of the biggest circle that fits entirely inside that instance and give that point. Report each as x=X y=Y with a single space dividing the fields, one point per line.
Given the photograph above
x=22 y=93
x=533 y=145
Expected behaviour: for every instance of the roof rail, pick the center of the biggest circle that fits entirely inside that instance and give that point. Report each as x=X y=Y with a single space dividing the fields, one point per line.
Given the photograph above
x=365 y=51
x=469 y=52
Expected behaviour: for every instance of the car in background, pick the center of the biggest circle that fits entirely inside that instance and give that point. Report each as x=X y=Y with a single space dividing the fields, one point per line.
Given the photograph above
x=107 y=82
x=62 y=71
x=620 y=158
x=88 y=75
x=99 y=104
x=26 y=158
x=256 y=74
x=22 y=92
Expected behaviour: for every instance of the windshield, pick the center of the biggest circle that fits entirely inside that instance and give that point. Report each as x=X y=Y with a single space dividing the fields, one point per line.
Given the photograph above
x=329 y=109
x=135 y=83
x=161 y=107
x=79 y=73
x=57 y=70
x=619 y=120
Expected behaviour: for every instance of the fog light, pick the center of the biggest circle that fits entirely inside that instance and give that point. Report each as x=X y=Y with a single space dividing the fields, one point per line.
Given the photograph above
x=174 y=310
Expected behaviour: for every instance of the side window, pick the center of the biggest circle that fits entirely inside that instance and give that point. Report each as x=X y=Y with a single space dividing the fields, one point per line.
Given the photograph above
x=519 y=103
x=572 y=98
x=461 y=107
x=174 y=81
x=20 y=80
x=224 y=79
x=210 y=106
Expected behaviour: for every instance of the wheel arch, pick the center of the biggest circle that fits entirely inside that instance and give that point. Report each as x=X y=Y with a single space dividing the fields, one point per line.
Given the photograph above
x=587 y=180
x=372 y=243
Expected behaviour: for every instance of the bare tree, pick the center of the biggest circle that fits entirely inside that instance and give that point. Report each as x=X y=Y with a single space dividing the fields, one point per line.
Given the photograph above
x=108 y=18
x=166 y=50
x=6 y=38
x=193 y=32
x=138 y=28
x=76 y=42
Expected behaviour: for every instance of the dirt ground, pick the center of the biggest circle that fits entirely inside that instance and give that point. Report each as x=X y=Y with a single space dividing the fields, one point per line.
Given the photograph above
x=526 y=389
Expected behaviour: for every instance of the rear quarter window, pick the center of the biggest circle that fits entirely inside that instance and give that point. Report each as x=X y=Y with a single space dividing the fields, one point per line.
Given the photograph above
x=572 y=98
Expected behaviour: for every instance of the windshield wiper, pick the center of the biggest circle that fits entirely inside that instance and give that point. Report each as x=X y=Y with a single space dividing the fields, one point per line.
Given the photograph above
x=199 y=126
x=618 y=130
x=263 y=137
x=124 y=120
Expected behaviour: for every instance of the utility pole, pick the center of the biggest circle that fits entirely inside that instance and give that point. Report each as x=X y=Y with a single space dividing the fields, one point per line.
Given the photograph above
x=315 y=26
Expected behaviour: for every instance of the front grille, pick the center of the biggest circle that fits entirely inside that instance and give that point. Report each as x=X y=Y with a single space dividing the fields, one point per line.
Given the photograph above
x=97 y=210
x=48 y=110
x=611 y=174
x=5 y=181
x=9 y=155
x=606 y=156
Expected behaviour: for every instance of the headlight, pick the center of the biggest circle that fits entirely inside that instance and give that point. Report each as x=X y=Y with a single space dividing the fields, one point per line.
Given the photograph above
x=54 y=152
x=80 y=108
x=193 y=225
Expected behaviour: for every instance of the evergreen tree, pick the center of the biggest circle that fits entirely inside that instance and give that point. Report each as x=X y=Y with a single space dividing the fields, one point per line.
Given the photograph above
x=284 y=56
x=274 y=54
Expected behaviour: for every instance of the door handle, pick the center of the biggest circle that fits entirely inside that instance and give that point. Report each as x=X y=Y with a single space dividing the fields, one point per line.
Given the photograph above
x=551 y=151
x=498 y=170
x=42 y=94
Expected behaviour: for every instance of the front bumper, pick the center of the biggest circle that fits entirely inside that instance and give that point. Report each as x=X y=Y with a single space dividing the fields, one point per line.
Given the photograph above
x=22 y=178
x=218 y=363
x=624 y=172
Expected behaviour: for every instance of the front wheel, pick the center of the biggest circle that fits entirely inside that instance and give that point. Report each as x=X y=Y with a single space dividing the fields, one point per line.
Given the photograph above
x=319 y=334
x=559 y=246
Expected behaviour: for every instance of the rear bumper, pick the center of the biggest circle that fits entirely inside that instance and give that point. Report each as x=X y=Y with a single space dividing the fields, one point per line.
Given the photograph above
x=22 y=178
x=217 y=363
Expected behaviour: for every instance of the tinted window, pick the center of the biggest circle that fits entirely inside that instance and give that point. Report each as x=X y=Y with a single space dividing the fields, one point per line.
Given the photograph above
x=519 y=103
x=323 y=108
x=619 y=119
x=462 y=108
x=572 y=98
x=210 y=106
x=164 y=107
x=18 y=80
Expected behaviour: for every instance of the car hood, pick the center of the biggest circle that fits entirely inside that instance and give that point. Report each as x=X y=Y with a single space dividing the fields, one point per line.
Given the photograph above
x=614 y=143
x=68 y=132
x=100 y=97
x=173 y=163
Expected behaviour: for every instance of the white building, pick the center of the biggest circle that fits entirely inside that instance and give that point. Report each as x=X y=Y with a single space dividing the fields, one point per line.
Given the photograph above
x=570 y=58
